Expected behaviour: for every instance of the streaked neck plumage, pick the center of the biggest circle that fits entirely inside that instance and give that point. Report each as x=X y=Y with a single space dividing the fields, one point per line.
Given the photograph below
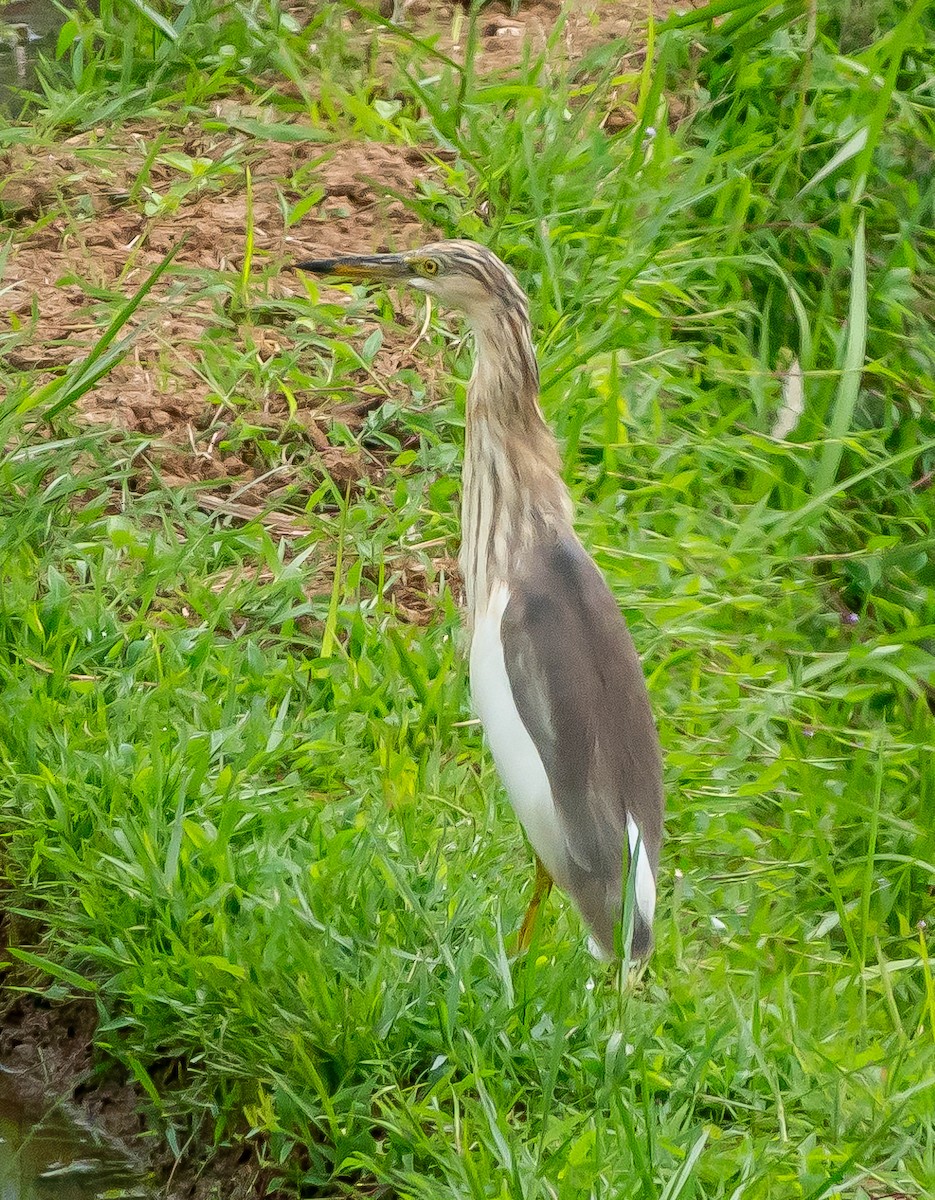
x=512 y=491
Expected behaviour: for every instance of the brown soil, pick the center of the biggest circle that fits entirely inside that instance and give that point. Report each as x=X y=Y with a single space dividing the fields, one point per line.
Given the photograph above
x=50 y=1050
x=60 y=267
x=159 y=388
x=562 y=31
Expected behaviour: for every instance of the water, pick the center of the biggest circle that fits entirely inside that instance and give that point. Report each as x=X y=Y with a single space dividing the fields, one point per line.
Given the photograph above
x=26 y=28
x=46 y=1154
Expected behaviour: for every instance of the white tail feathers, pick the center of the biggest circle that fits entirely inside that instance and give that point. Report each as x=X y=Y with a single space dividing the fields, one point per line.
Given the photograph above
x=644 y=887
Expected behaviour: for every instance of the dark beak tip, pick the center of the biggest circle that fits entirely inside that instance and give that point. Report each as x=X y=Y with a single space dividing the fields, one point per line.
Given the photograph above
x=318 y=266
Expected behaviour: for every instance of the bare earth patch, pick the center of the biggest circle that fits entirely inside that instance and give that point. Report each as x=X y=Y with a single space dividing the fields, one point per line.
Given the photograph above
x=57 y=269
x=49 y=1051
x=564 y=31
x=61 y=270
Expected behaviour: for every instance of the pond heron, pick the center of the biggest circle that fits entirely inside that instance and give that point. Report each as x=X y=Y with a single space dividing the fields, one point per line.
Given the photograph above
x=555 y=678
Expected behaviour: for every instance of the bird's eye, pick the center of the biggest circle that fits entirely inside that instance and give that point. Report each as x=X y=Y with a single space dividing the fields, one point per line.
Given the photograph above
x=429 y=266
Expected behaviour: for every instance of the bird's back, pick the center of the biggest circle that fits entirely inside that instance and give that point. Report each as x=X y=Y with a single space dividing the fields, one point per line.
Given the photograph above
x=578 y=690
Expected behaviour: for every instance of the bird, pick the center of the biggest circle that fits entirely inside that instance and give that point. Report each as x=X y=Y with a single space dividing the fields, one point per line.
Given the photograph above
x=554 y=675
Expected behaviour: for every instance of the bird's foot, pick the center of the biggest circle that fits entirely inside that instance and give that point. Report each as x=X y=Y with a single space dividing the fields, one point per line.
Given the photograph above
x=540 y=891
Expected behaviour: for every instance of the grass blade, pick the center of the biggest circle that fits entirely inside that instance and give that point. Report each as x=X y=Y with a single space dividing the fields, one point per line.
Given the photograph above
x=848 y=387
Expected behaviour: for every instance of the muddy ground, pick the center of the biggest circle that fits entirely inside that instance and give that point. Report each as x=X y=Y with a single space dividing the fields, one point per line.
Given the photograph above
x=57 y=270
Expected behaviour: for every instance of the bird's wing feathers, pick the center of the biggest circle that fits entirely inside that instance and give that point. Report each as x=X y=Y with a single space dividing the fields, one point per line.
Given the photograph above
x=579 y=689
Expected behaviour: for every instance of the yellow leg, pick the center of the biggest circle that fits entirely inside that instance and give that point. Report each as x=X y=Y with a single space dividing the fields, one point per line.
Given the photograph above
x=541 y=889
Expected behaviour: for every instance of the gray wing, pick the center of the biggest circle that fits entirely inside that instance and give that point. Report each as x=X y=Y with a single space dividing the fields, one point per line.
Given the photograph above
x=579 y=689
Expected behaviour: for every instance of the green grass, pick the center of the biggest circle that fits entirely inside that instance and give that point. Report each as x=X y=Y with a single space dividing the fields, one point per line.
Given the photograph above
x=239 y=797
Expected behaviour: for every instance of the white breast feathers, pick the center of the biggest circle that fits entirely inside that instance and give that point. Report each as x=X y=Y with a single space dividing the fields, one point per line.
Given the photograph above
x=513 y=750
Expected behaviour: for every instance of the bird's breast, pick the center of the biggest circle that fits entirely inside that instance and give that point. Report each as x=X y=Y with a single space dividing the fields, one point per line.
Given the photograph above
x=514 y=752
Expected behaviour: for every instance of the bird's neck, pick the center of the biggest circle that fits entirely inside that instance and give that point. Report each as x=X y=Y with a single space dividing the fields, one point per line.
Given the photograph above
x=512 y=491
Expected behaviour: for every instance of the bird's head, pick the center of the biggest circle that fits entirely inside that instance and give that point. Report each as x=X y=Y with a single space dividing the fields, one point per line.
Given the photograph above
x=461 y=275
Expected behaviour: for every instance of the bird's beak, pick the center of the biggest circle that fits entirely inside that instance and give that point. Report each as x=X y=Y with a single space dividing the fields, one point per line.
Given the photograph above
x=375 y=268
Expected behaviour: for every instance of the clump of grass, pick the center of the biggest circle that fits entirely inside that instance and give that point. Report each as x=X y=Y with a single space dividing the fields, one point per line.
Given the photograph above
x=251 y=816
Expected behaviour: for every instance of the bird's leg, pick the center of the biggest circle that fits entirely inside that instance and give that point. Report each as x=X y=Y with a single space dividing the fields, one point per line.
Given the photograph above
x=541 y=889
